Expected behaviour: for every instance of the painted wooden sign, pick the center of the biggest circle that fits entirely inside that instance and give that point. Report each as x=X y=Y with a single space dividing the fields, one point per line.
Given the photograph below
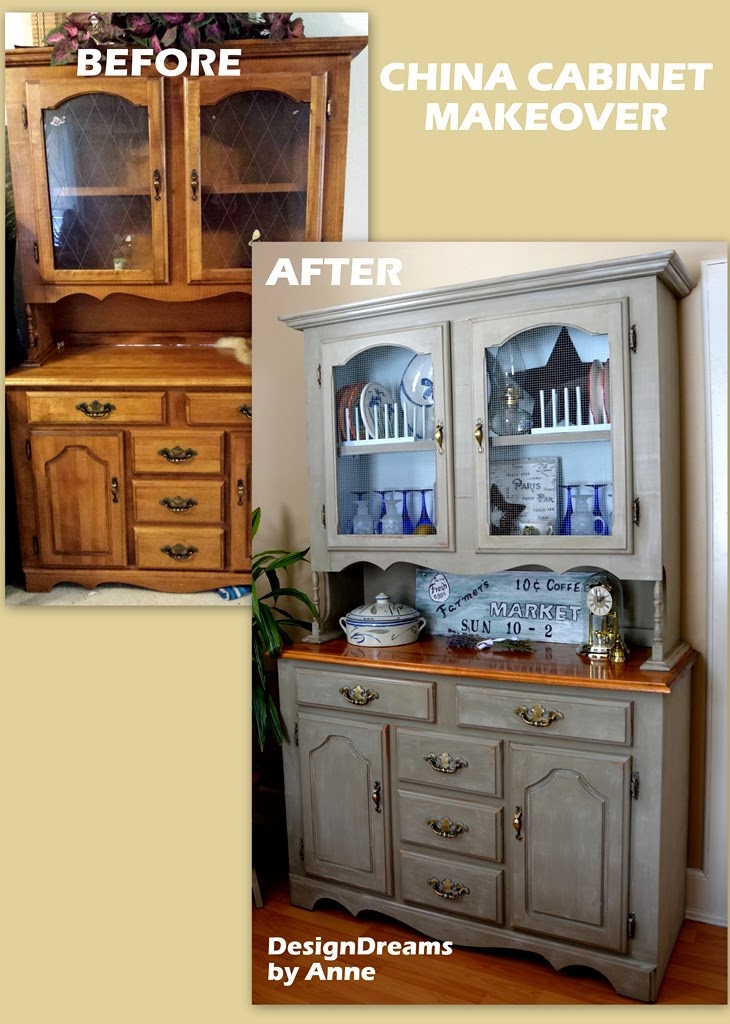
x=543 y=607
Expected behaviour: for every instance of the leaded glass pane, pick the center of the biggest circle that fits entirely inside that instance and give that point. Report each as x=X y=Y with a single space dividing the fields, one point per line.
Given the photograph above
x=254 y=151
x=97 y=158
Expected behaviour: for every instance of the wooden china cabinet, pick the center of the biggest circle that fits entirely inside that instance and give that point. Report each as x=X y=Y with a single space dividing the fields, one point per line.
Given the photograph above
x=137 y=202
x=533 y=800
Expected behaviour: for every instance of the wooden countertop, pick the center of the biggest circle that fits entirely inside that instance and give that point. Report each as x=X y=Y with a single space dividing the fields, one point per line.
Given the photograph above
x=552 y=664
x=135 y=365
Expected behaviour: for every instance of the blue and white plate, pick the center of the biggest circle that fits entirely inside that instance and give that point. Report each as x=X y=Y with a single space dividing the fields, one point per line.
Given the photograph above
x=417 y=382
x=376 y=404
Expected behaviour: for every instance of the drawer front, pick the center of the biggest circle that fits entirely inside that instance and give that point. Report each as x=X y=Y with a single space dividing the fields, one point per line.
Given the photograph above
x=546 y=714
x=189 y=501
x=193 y=547
x=451 y=762
x=89 y=407
x=180 y=452
x=227 y=408
x=370 y=695
x=469 y=890
x=450 y=825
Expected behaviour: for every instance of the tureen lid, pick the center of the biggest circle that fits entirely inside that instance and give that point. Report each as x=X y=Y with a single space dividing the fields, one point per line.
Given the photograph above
x=381 y=609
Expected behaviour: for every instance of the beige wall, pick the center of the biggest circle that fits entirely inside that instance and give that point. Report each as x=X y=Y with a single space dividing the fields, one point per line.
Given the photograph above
x=279 y=445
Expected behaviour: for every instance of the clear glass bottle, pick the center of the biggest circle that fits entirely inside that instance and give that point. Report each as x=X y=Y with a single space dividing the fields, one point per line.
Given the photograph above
x=362 y=521
x=391 y=522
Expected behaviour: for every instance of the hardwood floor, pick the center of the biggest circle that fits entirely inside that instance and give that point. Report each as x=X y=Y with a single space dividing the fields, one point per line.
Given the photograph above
x=697 y=973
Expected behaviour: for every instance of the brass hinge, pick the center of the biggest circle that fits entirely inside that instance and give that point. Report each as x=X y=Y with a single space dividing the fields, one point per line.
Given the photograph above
x=634 y=786
x=301 y=850
x=324 y=517
x=631 y=926
x=319 y=375
x=36 y=548
x=637 y=510
x=27 y=449
x=329 y=108
x=632 y=337
x=24 y=115
x=36 y=254
x=296 y=735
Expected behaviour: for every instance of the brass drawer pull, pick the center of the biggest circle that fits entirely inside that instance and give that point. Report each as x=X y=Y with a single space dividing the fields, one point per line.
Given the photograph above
x=445 y=762
x=448 y=889
x=245 y=410
x=377 y=789
x=538 y=715
x=446 y=828
x=517 y=822
x=178 y=504
x=179 y=552
x=96 y=410
x=177 y=454
x=357 y=695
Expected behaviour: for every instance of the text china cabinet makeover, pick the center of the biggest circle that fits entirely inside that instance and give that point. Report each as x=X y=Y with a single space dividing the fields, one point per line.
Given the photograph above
x=137 y=201
x=533 y=801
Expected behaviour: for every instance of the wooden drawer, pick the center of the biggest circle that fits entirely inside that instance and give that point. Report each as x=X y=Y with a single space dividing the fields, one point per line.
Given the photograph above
x=451 y=825
x=607 y=721
x=485 y=896
x=367 y=694
x=96 y=407
x=451 y=762
x=180 y=452
x=193 y=547
x=190 y=500
x=227 y=408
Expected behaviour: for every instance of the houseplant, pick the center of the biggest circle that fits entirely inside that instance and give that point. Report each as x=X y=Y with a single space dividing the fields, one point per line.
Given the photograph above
x=159 y=31
x=270 y=627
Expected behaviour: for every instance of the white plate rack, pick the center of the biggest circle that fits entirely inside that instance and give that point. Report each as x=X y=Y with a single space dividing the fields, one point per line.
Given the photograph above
x=393 y=424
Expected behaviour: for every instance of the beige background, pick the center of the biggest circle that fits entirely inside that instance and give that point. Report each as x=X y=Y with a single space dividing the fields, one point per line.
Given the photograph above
x=124 y=733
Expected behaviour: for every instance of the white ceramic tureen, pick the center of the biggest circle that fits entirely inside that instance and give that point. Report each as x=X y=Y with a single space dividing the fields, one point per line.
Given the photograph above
x=382 y=623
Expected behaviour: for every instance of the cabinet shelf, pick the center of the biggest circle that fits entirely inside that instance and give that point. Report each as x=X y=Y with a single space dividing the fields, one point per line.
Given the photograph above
x=396 y=444
x=99 y=190
x=578 y=435
x=252 y=188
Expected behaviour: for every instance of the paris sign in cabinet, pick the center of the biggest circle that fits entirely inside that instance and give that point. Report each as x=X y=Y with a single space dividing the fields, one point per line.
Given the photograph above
x=530 y=420
x=537 y=804
x=138 y=199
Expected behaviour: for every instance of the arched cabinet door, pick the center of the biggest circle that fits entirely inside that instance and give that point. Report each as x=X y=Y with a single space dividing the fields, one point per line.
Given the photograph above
x=99 y=180
x=79 y=480
x=255 y=156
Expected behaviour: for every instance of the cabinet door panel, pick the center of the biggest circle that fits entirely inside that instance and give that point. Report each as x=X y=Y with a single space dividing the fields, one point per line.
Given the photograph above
x=569 y=856
x=254 y=167
x=345 y=801
x=78 y=480
x=99 y=186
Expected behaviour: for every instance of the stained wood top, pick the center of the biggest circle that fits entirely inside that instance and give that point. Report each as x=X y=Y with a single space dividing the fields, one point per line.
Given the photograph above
x=136 y=365
x=550 y=664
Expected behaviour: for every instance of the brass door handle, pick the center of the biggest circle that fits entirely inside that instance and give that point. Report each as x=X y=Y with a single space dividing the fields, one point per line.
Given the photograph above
x=241 y=491
x=96 y=410
x=357 y=695
x=179 y=552
x=479 y=435
x=449 y=889
x=245 y=410
x=517 y=822
x=157 y=184
x=115 y=491
x=438 y=436
x=445 y=762
x=446 y=828
x=194 y=183
x=538 y=715
x=177 y=454
x=375 y=796
x=178 y=504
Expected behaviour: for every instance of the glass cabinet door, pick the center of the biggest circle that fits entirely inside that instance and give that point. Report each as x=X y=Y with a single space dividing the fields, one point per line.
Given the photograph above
x=552 y=431
x=387 y=436
x=255 y=158
x=100 y=180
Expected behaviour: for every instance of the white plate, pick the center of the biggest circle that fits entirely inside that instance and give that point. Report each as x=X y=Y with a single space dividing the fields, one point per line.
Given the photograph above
x=595 y=390
x=417 y=382
x=606 y=385
x=373 y=400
